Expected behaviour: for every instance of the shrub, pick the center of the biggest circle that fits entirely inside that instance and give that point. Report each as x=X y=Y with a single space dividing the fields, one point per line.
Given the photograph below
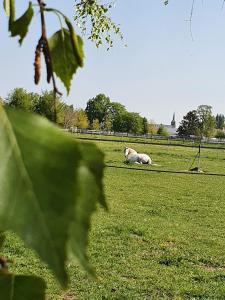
x=220 y=134
x=162 y=131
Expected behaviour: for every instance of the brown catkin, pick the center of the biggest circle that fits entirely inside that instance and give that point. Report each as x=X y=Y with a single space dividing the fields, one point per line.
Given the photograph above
x=37 y=63
x=47 y=61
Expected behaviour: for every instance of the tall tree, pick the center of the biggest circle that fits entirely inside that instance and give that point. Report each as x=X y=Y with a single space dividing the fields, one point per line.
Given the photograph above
x=97 y=108
x=47 y=105
x=108 y=123
x=133 y=123
x=68 y=116
x=206 y=120
x=118 y=122
x=95 y=124
x=114 y=108
x=115 y=113
x=198 y=122
x=145 y=125
x=190 y=124
x=152 y=129
x=220 y=121
x=80 y=119
x=21 y=99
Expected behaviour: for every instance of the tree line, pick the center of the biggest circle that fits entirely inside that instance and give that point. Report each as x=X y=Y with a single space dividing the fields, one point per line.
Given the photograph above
x=200 y=122
x=103 y=114
x=45 y=105
x=100 y=113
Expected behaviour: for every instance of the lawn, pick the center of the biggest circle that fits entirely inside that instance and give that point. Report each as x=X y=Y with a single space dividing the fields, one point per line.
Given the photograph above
x=163 y=237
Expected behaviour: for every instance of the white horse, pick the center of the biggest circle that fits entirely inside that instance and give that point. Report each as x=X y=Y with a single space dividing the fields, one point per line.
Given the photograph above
x=138 y=158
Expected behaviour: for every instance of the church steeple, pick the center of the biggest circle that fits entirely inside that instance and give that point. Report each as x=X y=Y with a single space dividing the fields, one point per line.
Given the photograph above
x=173 y=122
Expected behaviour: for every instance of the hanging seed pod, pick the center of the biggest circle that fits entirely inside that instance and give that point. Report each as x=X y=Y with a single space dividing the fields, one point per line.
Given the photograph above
x=47 y=61
x=37 y=62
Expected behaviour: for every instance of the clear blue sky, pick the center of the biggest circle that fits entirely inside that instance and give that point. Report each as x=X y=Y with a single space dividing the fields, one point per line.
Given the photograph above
x=160 y=72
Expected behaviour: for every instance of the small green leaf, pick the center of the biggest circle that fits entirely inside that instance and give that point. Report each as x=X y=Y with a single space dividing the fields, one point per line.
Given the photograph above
x=21 y=25
x=49 y=204
x=17 y=287
x=64 y=62
x=76 y=42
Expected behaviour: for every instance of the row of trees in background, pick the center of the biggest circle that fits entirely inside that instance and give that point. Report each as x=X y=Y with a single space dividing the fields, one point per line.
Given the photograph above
x=44 y=105
x=113 y=116
x=202 y=123
x=100 y=113
x=103 y=114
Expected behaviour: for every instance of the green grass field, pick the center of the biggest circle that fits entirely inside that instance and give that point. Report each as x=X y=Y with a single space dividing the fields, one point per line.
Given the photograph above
x=163 y=237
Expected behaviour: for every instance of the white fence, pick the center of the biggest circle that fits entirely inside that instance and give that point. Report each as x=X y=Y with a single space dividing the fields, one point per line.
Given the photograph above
x=145 y=136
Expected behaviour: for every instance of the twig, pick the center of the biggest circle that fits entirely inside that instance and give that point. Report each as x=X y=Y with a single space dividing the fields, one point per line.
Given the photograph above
x=191 y=17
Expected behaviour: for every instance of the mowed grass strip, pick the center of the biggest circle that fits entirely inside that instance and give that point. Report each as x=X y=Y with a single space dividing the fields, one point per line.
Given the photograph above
x=163 y=237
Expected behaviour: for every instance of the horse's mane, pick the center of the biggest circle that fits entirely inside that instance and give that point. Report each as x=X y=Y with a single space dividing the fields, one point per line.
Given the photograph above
x=130 y=150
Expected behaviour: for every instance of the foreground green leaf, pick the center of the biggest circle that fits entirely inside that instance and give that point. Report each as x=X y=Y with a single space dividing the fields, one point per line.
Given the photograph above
x=2 y=239
x=64 y=61
x=90 y=187
x=21 y=25
x=40 y=191
x=16 y=287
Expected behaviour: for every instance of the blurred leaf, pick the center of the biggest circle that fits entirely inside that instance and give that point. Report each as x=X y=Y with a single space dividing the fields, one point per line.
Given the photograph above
x=94 y=160
x=20 y=26
x=64 y=62
x=2 y=239
x=17 y=287
x=39 y=162
x=6 y=4
x=49 y=203
x=90 y=188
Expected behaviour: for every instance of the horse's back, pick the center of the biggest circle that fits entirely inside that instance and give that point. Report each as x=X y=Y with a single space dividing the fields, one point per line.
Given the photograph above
x=144 y=158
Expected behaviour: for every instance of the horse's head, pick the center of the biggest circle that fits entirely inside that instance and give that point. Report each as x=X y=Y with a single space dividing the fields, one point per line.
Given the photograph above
x=126 y=151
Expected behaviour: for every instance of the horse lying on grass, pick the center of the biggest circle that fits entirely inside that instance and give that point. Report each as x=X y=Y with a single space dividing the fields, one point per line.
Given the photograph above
x=138 y=158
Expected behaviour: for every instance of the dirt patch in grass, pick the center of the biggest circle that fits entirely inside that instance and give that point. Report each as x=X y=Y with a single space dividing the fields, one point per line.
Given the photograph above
x=68 y=295
x=169 y=244
x=211 y=268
